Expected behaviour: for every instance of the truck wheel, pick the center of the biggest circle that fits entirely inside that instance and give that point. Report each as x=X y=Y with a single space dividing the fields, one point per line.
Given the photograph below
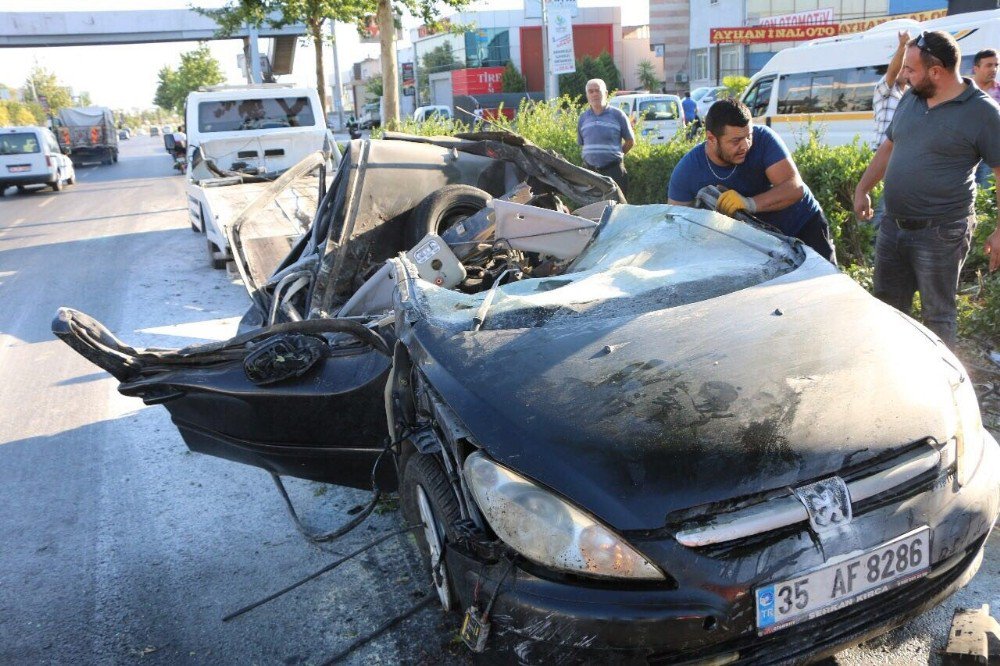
x=115 y=157
x=428 y=498
x=444 y=208
x=58 y=185
x=212 y=252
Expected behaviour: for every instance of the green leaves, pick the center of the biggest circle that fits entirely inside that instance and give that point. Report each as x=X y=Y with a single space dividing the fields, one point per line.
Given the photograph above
x=198 y=68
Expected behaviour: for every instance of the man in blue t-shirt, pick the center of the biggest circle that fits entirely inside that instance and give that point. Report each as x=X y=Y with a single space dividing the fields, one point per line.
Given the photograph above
x=605 y=134
x=690 y=108
x=756 y=169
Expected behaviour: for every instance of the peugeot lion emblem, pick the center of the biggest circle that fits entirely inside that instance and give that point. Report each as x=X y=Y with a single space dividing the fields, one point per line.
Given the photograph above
x=827 y=502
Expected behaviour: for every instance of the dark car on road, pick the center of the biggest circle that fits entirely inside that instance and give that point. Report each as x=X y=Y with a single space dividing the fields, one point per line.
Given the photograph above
x=632 y=433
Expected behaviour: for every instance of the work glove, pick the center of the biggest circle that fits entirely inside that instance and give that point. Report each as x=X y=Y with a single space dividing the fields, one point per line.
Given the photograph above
x=731 y=202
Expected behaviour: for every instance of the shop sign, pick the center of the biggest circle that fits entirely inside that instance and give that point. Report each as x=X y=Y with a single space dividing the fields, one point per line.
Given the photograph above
x=849 y=27
x=800 y=18
x=477 y=81
x=768 y=34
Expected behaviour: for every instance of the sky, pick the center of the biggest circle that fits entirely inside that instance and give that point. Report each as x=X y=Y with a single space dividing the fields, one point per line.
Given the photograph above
x=125 y=76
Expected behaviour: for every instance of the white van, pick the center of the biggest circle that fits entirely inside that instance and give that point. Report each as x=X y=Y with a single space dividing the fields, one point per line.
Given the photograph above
x=32 y=156
x=239 y=138
x=828 y=83
x=658 y=116
x=432 y=111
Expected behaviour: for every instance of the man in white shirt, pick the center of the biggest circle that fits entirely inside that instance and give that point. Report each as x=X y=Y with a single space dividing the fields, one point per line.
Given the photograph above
x=884 y=103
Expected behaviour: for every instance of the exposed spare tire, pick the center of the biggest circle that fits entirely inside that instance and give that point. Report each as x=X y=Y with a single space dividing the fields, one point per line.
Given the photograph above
x=445 y=208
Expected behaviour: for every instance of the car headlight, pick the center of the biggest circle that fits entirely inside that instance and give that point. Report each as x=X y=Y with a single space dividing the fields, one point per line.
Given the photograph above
x=969 y=438
x=547 y=530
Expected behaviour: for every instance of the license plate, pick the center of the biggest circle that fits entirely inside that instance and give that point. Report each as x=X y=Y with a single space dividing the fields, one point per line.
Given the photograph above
x=835 y=586
x=19 y=167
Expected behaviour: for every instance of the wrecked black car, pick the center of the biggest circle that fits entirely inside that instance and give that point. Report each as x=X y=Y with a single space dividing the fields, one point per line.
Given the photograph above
x=633 y=433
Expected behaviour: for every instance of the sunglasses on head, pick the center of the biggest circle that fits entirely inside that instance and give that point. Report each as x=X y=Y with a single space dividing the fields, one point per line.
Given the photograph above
x=922 y=44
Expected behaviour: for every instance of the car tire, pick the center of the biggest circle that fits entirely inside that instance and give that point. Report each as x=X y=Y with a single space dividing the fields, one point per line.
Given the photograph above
x=444 y=208
x=72 y=179
x=58 y=185
x=427 y=498
x=21 y=189
x=217 y=263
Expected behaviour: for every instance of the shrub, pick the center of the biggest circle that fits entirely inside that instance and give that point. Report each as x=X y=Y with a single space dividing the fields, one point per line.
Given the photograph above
x=512 y=80
x=832 y=172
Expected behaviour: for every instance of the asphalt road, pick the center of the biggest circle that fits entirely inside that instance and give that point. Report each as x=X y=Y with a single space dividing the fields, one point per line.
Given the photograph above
x=117 y=545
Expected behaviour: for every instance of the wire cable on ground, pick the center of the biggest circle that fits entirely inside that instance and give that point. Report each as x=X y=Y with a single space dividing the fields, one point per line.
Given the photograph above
x=320 y=537
x=322 y=571
x=381 y=629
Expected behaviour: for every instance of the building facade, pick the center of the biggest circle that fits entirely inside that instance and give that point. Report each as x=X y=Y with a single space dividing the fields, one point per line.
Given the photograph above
x=495 y=37
x=710 y=63
x=670 y=37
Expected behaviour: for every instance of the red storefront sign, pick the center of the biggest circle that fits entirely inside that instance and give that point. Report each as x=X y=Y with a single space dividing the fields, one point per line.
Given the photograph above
x=477 y=81
x=772 y=33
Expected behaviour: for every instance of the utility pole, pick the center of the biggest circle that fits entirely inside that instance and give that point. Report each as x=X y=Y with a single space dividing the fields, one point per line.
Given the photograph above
x=546 y=67
x=253 y=54
x=338 y=88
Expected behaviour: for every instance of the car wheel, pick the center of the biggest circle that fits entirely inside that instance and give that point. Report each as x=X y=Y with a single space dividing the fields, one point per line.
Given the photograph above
x=444 y=208
x=72 y=179
x=215 y=261
x=428 y=499
x=21 y=189
x=58 y=185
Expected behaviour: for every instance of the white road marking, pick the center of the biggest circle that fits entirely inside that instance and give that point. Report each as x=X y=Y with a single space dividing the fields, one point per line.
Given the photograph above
x=45 y=203
x=210 y=329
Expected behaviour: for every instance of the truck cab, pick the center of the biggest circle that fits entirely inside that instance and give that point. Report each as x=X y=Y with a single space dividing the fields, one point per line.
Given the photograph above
x=240 y=138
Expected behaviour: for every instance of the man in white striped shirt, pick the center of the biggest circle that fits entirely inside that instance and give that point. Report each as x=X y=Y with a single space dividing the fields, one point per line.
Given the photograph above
x=605 y=134
x=884 y=103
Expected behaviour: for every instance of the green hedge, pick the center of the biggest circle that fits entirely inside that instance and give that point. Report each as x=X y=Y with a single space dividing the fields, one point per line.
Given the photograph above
x=831 y=172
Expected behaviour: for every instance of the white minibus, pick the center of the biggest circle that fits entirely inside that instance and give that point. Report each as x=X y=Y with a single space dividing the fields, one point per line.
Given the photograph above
x=827 y=84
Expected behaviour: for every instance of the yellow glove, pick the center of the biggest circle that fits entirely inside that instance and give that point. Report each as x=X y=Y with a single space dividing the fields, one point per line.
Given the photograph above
x=732 y=202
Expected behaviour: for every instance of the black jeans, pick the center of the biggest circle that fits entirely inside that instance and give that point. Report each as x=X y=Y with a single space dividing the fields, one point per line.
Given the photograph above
x=926 y=260
x=617 y=172
x=816 y=234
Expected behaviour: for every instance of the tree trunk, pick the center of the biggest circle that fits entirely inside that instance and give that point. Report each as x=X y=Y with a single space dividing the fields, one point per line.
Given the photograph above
x=316 y=29
x=390 y=89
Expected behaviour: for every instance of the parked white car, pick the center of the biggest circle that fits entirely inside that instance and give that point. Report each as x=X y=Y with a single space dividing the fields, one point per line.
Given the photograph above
x=32 y=156
x=658 y=117
x=709 y=98
x=432 y=111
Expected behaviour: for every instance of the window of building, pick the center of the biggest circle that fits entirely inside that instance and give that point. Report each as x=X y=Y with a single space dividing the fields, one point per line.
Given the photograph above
x=487 y=47
x=729 y=55
x=699 y=57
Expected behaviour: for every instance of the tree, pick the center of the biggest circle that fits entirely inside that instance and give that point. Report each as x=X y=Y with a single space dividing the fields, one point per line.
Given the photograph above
x=4 y=115
x=85 y=99
x=735 y=85
x=608 y=71
x=198 y=68
x=25 y=117
x=646 y=74
x=373 y=86
x=588 y=67
x=314 y=13
x=512 y=80
x=236 y=14
x=44 y=83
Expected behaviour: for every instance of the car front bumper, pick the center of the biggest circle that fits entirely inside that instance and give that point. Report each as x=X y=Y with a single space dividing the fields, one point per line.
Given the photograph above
x=709 y=614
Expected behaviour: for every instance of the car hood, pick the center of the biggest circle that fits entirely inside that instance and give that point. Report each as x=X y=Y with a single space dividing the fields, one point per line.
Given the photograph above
x=635 y=416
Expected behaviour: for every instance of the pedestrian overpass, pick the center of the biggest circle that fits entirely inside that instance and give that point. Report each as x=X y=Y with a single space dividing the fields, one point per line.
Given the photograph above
x=38 y=29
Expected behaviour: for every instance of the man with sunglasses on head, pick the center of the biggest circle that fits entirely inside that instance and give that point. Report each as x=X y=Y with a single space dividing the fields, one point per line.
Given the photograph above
x=943 y=126
x=754 y=166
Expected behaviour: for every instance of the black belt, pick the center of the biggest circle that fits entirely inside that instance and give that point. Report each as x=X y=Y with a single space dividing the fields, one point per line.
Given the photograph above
x=917 y=225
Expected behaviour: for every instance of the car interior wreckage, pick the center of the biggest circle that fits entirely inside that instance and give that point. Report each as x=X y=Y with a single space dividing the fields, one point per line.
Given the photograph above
x=620 y=433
